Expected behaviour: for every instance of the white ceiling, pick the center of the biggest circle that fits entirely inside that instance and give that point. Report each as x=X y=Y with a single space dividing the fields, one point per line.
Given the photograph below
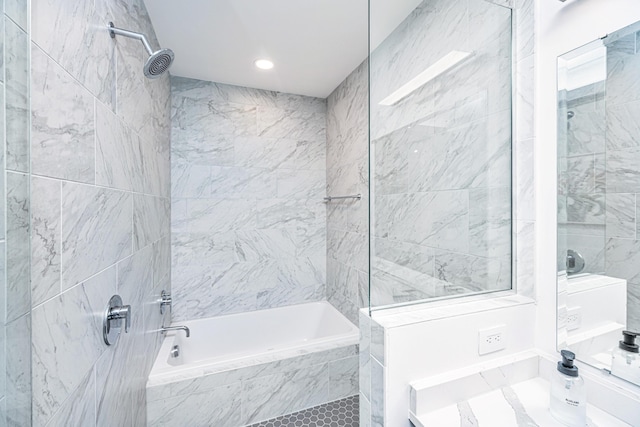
x=314 y=44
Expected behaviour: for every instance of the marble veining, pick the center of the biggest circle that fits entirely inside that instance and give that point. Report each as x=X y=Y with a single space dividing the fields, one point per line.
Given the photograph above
x=96 y=230
x=248 y=179
x=62 y=133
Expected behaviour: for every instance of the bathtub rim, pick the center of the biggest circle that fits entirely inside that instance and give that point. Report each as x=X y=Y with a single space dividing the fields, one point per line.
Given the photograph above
x=179 y=373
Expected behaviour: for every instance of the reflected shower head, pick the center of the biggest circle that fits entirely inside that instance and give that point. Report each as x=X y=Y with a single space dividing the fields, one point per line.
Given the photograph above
x=158 y=62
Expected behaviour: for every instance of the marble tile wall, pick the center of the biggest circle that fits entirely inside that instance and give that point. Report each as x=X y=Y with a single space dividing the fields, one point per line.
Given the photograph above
x=582 y=219
x=618 y=176
x=15 y=299
x=441 y=158
x=598 y=173
x=347 y=173
x=248 y=220
x=238 y=397
x=99 y=183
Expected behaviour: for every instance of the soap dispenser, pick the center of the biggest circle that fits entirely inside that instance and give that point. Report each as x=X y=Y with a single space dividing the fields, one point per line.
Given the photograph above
x=626 y=358
x=568 y=393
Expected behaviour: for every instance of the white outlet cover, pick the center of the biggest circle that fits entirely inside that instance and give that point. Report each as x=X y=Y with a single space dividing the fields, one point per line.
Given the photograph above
x=574 y=318
x=492 y=339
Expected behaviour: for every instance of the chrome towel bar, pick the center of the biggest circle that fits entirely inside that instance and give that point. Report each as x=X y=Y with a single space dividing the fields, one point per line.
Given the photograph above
x=330 y=198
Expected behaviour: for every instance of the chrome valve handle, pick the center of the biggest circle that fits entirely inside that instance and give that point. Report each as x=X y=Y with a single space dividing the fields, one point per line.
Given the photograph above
x=114 y=314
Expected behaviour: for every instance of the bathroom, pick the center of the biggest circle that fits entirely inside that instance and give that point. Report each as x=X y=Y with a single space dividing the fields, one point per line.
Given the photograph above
x=324 y=213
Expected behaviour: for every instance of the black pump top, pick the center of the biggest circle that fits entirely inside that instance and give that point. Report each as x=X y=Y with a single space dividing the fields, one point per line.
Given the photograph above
x=566 y=364
x=629 y=342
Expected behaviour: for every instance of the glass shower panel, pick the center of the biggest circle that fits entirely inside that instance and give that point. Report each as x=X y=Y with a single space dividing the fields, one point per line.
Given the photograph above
x=440 y=149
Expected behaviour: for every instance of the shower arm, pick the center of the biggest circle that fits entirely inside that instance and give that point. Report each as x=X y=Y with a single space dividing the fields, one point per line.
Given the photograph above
x=119 y=31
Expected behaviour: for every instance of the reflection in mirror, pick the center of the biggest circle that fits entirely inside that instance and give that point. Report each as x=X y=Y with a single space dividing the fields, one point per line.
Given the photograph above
x=598 y=183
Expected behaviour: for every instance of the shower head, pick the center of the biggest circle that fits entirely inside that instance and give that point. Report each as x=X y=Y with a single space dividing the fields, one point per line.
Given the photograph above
x=158 y=62
x=570 y=114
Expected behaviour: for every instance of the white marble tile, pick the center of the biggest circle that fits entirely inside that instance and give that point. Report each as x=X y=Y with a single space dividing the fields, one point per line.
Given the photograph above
x=620 y=256
x=46 y=245
x=86 y=51
x=16 y=97
x=17 y=11
x=377 y=394
x=260 y=244
x=622 y=131
x=18 y=408
x=343 y=378
x=219 y=407
x=119 y=161
x=150 y=219
x=62 y=133
x=524 y=182
x=67 y=341
x=156 y=169
x=190 y=180
x=622 y=175
x=205 y=91
x=525 y=258
x=438 y=219
x=524 y=15
x=265 y=152
x=473 y=273
x=364 y=355
x=621 y=215
x=365 y=412
x=201 y=147
x=97 y=230
x=241 y=183
x=490 y=222
x=80 y=408
x=273 y=395
x=216 y=215
x=161 y=258
x=18 y=272
x=525 y=97
x=293 y=184
x=291 y=124
x=205 y=248
x=197 y=117
x=622 y=64
x=586 y=208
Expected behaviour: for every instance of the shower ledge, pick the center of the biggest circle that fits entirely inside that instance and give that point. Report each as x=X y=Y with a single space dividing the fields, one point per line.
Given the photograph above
x=429 y=311
x=510 y=391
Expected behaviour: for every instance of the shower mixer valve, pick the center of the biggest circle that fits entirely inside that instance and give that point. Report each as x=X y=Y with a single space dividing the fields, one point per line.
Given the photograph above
x=114 y=315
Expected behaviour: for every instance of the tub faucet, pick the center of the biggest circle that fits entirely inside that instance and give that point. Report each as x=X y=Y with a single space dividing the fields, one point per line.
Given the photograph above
x=165 y=329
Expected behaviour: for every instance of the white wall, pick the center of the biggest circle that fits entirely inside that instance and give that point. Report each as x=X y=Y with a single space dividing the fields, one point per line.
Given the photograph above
x=560 y=28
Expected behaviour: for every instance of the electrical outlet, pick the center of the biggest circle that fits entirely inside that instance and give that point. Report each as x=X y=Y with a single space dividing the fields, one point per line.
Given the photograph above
x=574 y=318
x=492 y=339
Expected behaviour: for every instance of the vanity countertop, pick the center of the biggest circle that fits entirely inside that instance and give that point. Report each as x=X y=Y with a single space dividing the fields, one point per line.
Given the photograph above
x=522 y=404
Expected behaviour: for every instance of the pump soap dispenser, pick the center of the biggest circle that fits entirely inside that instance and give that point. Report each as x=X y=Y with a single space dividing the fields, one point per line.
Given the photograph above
x=626 y=358
x=568 y=394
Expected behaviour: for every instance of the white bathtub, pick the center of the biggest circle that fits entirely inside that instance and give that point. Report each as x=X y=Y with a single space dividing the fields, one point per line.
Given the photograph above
x=239 y=340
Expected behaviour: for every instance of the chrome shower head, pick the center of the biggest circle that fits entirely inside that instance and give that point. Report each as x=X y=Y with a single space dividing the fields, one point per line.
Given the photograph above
x=158 y=62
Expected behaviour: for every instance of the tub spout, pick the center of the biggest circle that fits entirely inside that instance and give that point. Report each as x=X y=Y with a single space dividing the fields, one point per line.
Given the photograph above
x=176 y=328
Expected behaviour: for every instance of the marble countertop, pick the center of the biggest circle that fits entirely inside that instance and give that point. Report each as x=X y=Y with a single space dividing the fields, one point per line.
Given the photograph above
x=522 y=404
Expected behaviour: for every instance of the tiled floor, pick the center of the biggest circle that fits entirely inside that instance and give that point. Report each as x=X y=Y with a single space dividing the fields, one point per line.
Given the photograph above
x=341 y=413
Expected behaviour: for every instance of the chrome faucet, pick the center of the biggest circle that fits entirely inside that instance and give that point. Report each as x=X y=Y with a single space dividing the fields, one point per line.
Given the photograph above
x=165 y=329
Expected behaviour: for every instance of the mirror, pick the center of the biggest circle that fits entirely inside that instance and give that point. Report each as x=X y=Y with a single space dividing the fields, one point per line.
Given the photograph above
x=598 y=204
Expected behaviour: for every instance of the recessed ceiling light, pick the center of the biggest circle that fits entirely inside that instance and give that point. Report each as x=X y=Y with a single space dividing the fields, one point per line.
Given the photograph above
x=263 y=64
